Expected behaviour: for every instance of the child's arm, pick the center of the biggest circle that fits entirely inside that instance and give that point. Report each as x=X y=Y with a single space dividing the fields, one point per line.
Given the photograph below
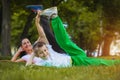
x=30 y=61
x=42 y=36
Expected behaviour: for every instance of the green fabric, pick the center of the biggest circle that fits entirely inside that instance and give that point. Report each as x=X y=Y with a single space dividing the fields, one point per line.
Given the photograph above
x=63 y=39
x=77 y=54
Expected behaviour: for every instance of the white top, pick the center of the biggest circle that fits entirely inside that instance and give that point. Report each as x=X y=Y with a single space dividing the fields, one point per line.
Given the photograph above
x=55 y=59
x=27 y=56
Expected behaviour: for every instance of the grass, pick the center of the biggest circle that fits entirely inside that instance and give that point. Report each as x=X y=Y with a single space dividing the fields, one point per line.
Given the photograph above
x=17 y=71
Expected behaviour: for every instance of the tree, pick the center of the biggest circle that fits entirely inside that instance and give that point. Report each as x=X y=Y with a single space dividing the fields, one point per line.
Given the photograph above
x=83 y=23
x=0 y=26
x=23 y=26
x=110 y=18
x=110 y=9
x=82 y=16
x=6 y=27
x=108 y=14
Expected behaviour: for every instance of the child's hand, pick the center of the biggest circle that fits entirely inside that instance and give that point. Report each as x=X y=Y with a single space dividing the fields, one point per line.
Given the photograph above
x=38 y=12
x=37 y=18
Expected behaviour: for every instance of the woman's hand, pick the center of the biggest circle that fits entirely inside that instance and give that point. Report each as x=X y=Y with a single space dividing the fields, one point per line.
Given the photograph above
x=16 y=55
x=20 y=50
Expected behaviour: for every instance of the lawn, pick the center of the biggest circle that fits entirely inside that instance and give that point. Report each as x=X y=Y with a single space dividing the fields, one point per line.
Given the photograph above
x=18 y=71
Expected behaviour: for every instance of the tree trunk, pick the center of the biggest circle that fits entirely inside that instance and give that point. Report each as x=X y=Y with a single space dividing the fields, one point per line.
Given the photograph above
x=0 y=27
x=6 y=28
x=106 y=46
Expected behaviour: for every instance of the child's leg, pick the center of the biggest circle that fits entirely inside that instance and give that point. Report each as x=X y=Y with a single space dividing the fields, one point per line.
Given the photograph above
x=46 y=27
x=64 y=40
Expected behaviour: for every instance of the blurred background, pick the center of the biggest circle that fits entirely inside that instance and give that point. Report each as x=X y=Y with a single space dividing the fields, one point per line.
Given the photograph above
x=94 y=25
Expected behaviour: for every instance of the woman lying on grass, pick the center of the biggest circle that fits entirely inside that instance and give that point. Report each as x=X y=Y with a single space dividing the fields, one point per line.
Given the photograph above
x=74 y=56
x=26 y=49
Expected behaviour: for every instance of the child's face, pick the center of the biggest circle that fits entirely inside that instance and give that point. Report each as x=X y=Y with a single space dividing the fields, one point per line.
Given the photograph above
x=42 y=52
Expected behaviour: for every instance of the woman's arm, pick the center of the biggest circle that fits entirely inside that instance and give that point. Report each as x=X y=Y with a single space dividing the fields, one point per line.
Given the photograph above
x=14 y=58
x=42 y=36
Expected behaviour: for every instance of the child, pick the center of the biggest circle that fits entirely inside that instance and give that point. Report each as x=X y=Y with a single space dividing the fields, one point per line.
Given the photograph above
x=44 y=50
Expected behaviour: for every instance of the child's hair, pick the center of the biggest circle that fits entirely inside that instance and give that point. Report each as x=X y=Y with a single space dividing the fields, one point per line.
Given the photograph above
x=36 y=46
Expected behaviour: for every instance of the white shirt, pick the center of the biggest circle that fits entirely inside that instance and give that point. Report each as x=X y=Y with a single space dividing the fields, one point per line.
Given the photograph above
x=26 y=58
x=55 y=59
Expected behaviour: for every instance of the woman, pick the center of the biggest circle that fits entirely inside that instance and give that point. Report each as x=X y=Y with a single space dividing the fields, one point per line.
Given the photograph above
x=26 y=46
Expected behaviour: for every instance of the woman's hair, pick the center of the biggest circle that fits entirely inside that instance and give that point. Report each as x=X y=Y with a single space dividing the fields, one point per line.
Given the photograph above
x=23 y=52
x=22 y=40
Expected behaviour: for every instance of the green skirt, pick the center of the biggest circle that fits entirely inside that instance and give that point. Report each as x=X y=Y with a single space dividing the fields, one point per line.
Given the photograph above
x=78 y=55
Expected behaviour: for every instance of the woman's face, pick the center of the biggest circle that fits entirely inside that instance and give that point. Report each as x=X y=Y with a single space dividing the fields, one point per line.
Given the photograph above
x=26 y=45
